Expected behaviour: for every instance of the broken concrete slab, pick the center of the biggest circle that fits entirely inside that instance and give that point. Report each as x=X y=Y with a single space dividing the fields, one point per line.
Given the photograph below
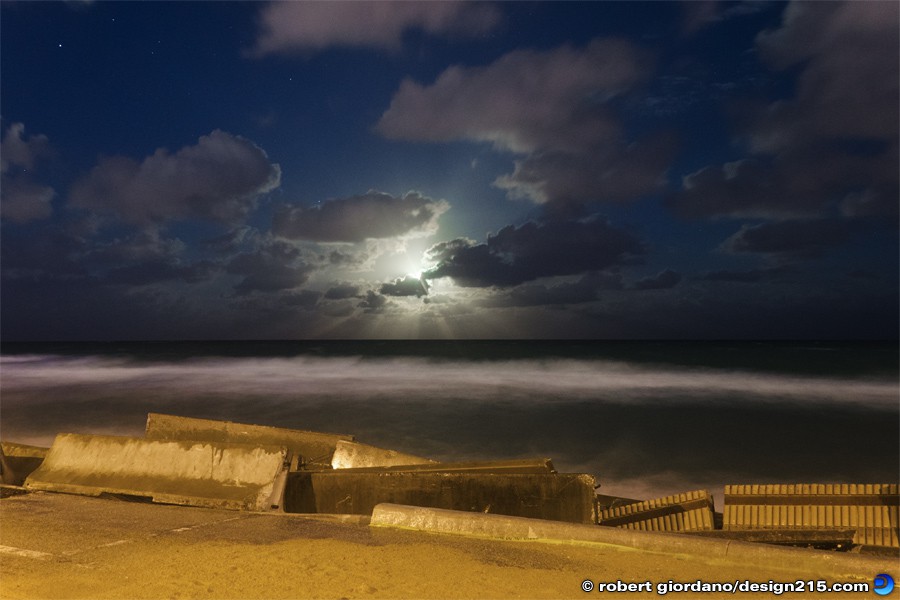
x=689 y=511
x=18 y=461
x=209 y=474
x=353 y=455
x=559 y=497
x=312 y=446
x=515 y=465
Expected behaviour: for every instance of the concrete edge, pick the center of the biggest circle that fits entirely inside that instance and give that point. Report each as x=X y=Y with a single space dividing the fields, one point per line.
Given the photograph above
x=730 y=552
x=323 y=517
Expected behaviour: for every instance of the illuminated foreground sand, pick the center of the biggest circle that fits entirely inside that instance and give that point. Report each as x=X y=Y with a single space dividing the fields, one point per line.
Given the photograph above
x=78 y=547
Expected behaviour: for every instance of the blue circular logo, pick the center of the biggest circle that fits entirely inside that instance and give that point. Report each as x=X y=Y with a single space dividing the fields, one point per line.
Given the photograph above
x=883 y=585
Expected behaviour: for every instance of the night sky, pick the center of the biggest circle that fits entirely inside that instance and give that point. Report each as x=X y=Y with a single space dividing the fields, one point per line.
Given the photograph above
x=231 y=170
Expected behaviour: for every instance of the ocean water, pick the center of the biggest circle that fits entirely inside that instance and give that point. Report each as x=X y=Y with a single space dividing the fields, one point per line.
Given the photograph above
x=645 y=418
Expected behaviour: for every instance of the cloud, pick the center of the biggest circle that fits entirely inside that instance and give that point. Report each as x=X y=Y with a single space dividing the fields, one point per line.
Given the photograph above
x=808 y=238
x=219 y=179
x=698 y=14
x=617 y=175
x=21 y=198
x=830 y=149
x=311 y=26
x=342 y=291
x=555 y=107
x=519 y=254
x=850 y=55
x=145 y=245
x=273 y=267
x=161 y=271
x=306 y=299
x=22 y=201
x=373 y=302
x=374 y=215
x=747 y=276
x=15 y=150
x=661 y=281
x=407 y=286
x=586 y=289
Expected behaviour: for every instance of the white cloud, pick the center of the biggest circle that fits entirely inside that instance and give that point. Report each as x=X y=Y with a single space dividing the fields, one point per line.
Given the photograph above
x=306 y=26
x=525 y=101
x=15 y=150
x=220 y=178
x=555 y=108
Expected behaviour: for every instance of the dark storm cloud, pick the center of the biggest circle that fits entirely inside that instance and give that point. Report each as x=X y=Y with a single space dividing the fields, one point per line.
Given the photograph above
x=230 y=240
x=374 y=215
x=161 y=271
x=144 y=258
x=287 y=27
x=661 y=281
x=790 y=238
x=407 y=286
x=220 y=179
x=373 y=302
x=21 y=198
x=342 y=292
x=586 y=289
x=554 y=107
x=147 y=245
x=519 y=254
x=271 y=268
x=51 y=254
x=833 y=146
x=307 y=299
x=748 y=275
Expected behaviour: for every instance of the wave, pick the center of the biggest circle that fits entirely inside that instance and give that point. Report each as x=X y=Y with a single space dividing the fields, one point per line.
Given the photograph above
x=552 y=380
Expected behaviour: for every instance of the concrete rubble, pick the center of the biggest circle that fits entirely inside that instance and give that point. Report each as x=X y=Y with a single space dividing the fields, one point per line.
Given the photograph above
x=210 y=463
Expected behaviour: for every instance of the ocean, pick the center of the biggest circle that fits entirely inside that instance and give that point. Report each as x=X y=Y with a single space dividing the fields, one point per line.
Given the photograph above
x=645 y=418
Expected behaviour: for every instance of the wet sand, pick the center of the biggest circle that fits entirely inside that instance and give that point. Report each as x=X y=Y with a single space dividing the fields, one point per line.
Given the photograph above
x=80 y=547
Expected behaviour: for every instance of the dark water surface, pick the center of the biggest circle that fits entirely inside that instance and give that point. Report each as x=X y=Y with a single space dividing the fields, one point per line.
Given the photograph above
x=646 y=418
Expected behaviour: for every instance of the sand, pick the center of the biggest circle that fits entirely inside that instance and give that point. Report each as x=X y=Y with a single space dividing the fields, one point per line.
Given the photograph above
x=99 y=548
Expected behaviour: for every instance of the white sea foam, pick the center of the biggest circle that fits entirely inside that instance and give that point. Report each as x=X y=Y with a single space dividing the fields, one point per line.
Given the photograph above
x=354 y=378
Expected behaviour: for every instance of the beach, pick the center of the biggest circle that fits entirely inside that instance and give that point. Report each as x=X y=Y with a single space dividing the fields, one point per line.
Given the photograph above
x=79 y=547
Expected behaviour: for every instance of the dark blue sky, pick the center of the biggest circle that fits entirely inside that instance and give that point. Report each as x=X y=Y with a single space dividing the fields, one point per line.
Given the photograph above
x=493 y=170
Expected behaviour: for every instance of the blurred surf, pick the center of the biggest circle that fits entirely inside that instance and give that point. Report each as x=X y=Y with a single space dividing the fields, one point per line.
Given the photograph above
x=652 y=419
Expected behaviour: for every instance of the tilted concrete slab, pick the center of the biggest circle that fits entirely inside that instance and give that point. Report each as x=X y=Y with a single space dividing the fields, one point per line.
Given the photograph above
x=17 y=461
x=353 y=455
x=312 y=446
x=560 y=497
x=516 y=465
x=210 y=474
x=688 y=511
